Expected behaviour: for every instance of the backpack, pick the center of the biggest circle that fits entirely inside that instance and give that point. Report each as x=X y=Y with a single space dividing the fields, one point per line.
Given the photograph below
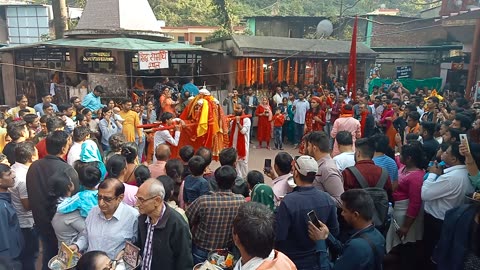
x=378 y=194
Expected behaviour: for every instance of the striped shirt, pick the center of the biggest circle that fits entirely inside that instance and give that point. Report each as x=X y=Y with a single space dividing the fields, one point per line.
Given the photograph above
x=147 y=251
x=388 y=164
x=211 y=219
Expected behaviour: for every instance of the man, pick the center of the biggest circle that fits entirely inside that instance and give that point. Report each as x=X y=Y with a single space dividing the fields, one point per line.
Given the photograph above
x=364 y=152
x=76 y=104
x=240 y=138
x=254 y=234
x=280 y=174
x=346 y=158
x=130 y=123
x=46 y=100
x=25 y=154
x=337 y=108
x=367 y=121
x=229 y=156
x=164 y=136
x=190 y=87
x=291 y=235
x=33 y=124
x=17 y=131
x=48 y=110
x=432 y=110
x=346 y=122
x=162 y=155
x=208 y=173
x=328 y=177
x=382 y=160
x=22 y=103
x=230 y=101
x=443 y=190
x=462 y=121
x=39 y=182
x=430 y=145
x=366 y=247
x=92 y=101
x=413 y=126
x=277 y=98
x=52 y=124
x=377 y=109
x=250 y=102
x=67 y=111
x=164 y=235
x=300 y=108
x=11 y=242
x=211 y=216
x=110 y=224
x=80 y=135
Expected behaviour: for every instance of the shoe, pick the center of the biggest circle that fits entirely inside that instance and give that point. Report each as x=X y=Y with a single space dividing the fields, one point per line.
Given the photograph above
x=281 y=149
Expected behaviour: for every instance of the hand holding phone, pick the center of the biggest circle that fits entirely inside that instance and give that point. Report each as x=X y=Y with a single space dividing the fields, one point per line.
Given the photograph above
x=267 y=167
x=313 y=218
x=464 y=140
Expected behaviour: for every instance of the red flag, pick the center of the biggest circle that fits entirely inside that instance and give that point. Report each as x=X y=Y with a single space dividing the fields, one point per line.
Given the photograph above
x=352 y=66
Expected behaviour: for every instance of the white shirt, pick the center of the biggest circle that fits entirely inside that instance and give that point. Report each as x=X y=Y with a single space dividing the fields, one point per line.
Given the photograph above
x=18 y=192
x=164 y=136
x=301 y=108
x=277 y=98
x=344 y=160
x=74 y=153
x=447 y=191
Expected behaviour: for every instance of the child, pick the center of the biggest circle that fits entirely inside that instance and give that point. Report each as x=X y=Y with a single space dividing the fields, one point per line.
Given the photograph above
x=195 y=184
x=85 y=200
x=116 y=114
x=278 y=120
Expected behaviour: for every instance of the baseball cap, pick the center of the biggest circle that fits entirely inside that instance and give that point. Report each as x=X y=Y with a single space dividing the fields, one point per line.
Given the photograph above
x=306 y=165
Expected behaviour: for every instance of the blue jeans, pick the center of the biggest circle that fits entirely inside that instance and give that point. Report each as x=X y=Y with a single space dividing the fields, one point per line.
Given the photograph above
x=199 y=255
x=298 y=132
x=277 y=135
x=141 y=148
x=30 y=251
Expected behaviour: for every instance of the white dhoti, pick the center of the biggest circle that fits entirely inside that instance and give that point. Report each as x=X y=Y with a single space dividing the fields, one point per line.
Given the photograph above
x=242 y=168
x=415 y=233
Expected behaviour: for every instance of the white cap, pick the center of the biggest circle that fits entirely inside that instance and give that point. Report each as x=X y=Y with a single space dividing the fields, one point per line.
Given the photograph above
x=306 y=164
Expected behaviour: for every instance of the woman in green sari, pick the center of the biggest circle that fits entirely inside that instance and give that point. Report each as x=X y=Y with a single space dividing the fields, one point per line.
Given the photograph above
x=263 y=194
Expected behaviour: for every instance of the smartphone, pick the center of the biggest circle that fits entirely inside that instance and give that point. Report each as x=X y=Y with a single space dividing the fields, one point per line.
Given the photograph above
x=464 y=138
x=313 y=218
x=267 y=167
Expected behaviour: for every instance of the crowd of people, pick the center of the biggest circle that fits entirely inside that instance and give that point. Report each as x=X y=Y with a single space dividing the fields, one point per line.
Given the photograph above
x=382 y=180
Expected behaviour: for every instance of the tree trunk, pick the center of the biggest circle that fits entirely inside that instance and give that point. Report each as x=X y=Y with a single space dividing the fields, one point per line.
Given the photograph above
x=60 y=17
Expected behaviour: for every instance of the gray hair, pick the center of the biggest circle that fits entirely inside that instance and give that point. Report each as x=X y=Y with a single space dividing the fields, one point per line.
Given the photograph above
x=156 y=188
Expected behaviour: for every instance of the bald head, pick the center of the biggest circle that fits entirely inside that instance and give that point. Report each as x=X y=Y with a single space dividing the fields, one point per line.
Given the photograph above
x=162 y=152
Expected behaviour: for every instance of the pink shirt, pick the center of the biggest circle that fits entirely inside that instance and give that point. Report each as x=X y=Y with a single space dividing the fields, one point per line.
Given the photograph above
x=349 y=124
x=157 y=169
x=280 y=187
x=129 y=195
x=410 y=187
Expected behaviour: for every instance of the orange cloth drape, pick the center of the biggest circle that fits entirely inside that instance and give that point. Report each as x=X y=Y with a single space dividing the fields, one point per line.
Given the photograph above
x=271 y=72
x=295 y=74
x=261 y=77
x=288 y=72
x=254 y=70
x=280 y=71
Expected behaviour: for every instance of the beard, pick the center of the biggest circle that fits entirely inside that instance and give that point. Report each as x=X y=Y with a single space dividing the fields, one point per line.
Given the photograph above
x=238 y=113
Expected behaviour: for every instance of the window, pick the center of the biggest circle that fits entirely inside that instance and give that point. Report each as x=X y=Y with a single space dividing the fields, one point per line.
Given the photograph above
x=198 y=39
x=181 y=39
x=27 y=24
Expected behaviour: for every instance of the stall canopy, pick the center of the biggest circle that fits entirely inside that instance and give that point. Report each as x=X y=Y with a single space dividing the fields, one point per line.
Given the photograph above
x=119 y=43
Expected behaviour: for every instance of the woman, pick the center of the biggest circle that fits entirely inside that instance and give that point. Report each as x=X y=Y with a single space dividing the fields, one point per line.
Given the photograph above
x=264 y=113
x=111 y=104
x=66 y=226
x=129 y=151
x=81 y=121
x=175 y=168
x=116 y=168
x=263 y=194
x=91 y=154
x=388 y=116
x=92 y=123
x=407 y=223
x=315 y=120
x=108 y=126
x=287 y=129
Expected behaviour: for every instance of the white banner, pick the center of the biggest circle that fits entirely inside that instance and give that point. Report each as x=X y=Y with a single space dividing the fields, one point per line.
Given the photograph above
x=153 y=60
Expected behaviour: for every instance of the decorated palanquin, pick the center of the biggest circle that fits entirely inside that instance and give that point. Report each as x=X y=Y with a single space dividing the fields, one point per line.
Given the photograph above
x=205 y=125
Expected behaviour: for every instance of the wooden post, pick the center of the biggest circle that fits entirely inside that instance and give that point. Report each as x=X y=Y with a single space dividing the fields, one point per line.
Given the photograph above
x=60 y=17
x=474 y=61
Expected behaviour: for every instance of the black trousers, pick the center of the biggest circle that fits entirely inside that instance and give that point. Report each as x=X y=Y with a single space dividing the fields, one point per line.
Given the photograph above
x=431 y=234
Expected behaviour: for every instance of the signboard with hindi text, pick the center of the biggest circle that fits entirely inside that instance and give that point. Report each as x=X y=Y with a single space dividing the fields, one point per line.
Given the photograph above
x=404 y=72
x=148 y=60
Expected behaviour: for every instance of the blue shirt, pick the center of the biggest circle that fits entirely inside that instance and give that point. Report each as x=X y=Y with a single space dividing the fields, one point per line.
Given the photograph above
x=191 y=88
x=388 y=164
x=83 y=201
x=301 y=108
x=292 y=222
x=39 y=108
x=92 y=102
x=195 y=186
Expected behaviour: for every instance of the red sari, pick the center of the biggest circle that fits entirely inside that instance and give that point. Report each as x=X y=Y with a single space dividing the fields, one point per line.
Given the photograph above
x=264 y=124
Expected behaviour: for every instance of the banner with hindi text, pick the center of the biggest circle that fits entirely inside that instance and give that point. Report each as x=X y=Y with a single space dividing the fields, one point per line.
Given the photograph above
x=148 y=60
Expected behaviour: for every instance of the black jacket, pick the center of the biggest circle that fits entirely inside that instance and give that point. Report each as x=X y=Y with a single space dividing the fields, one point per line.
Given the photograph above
x=172 y=241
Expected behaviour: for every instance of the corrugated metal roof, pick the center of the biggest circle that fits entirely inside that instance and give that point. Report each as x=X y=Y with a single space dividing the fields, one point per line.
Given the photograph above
x=121 y=44
x=302 y=47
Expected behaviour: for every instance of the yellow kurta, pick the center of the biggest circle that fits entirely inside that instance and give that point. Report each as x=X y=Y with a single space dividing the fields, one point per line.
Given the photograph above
x=130 y=124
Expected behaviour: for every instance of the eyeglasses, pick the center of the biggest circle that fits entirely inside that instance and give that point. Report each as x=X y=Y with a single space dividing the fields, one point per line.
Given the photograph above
x=105 y=198
x=142 y=200
x=111 y=265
